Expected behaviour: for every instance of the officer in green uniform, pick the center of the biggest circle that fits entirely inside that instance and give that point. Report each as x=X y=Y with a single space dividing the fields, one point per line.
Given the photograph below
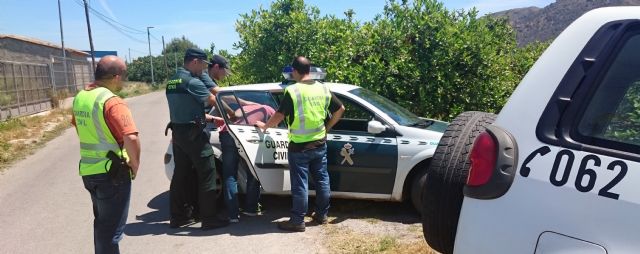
x=187 y=97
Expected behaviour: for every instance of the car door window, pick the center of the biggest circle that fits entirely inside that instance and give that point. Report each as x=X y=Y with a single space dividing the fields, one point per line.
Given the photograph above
x=247 y=107
x=355 y=117
x=612 y=117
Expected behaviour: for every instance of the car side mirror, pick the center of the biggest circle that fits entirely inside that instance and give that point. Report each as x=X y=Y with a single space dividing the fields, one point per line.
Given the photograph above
x=375 y=127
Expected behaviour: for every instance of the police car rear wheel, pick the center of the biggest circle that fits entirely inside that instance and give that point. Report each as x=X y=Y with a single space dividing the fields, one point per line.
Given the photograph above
x=442 y=192
x=416 y=189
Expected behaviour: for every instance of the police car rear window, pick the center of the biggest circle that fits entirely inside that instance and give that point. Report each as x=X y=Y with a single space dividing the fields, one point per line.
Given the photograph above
x=612 y=116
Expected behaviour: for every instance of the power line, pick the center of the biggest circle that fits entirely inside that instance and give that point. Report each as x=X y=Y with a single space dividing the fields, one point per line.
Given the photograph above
x=155 y=38
x=130 y=29
x=111 y=22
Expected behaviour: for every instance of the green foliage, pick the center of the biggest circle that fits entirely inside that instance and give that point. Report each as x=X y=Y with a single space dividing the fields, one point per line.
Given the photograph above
x=178 y=45
x=270 y=38
x=164 y=66
x=437 y=62
x=433 y=61
x=625 y=123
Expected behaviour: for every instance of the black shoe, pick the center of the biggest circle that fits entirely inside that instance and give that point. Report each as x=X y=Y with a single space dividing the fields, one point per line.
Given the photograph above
x=320 y=220
x=288 y=226
x=180 y=223
x=192 y=212
x=213 y=224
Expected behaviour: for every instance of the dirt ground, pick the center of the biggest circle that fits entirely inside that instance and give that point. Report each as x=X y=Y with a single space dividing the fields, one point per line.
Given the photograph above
x=360 y=226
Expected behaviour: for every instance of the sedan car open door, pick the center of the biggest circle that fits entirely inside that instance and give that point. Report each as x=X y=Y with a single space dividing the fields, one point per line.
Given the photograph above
x=265 y=153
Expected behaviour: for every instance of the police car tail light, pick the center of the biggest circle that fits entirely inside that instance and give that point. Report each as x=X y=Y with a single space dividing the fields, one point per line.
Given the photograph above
x=483 y=160
x=494 y=158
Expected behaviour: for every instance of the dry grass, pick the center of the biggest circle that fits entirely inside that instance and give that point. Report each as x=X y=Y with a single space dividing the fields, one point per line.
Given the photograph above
x=20 y=137
x=131 y=89
x=344 y=240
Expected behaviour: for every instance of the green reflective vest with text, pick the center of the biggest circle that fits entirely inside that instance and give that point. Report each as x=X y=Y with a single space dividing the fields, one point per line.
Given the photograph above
x=95 y=137
x=310 y=108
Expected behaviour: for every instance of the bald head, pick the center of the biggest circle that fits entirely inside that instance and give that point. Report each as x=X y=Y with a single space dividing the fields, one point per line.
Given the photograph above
x=108 y=67
x=301 y=64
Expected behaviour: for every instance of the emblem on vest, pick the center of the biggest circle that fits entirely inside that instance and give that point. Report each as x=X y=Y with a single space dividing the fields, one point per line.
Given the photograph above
x=346 y=153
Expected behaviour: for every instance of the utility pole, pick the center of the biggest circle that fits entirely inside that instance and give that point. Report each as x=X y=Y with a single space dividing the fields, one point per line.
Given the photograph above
x=164 y=55
x=130 y=56
x=86 y=13
x=64 y=51
x=153 y=82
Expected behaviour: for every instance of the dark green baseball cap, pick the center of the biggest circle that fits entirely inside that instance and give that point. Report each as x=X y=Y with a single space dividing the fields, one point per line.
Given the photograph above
x=196 y=53
x=221 y=62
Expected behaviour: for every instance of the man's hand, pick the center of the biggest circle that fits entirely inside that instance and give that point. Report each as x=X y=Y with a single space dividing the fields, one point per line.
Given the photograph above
x=261 y=125
x=134 y=168
x=209 y=118
x=132 y=144
x=218 y=121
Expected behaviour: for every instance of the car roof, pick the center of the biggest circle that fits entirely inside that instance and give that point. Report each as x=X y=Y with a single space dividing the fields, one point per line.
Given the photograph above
x=335 y=87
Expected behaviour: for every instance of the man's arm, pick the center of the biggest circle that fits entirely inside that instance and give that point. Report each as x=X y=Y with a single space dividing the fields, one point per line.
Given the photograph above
x=272 y=122
x=215 y=90
x=335 y=117
x=337 y=109
x=132 y=144
x=123 y=128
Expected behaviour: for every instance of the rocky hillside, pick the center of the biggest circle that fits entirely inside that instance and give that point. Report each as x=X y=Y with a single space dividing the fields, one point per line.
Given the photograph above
x=542 y=24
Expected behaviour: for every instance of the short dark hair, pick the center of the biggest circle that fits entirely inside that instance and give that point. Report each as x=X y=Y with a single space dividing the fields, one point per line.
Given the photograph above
x=188 y=59
x=107 y=71
x=301 y=64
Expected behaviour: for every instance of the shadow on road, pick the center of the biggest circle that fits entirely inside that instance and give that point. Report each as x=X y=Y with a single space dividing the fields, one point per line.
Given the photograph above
x=276 y=208
x=398 y=212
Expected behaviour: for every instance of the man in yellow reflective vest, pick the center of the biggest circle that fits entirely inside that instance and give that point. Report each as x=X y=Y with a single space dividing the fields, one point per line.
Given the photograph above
x=104 y=124
x=307 y=105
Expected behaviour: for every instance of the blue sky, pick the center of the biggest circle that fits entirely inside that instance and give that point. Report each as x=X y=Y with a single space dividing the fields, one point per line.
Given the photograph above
x=201 y=21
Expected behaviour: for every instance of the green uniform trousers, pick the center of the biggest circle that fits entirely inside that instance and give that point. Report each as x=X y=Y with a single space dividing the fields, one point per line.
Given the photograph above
x=192 y=153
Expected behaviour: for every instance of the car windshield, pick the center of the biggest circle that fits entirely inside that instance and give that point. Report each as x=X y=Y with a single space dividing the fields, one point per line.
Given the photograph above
x=399 y=114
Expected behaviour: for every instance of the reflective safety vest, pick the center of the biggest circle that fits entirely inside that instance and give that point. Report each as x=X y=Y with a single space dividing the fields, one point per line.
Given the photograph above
x=310 y=108
x=95 y=137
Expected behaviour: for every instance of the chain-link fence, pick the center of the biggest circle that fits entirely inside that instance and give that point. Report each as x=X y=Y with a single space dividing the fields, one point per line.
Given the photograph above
x=70 y=76
x=28 y=88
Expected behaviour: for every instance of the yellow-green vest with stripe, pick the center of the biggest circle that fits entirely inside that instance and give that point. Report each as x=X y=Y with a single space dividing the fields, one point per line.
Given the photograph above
x=94 y=134
x=310 y=108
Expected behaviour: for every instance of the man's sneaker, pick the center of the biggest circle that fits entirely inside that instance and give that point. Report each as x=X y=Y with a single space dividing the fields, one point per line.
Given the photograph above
x=180 y=223
x=257 y=212
x=288 y=226
x=234 y=220
x=252 y=214
x=213 y=224
x=320 y=220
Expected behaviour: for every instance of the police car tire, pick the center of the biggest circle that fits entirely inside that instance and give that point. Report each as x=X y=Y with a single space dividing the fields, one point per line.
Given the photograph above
x=447 y=174
x=417 y=183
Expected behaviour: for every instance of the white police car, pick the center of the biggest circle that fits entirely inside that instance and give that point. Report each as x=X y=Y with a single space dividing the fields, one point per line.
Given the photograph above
x=558 y=170
x=377 y=151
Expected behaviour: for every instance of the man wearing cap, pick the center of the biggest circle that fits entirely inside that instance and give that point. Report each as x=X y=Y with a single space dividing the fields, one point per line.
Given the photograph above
x=218 y=70
x=187 y=95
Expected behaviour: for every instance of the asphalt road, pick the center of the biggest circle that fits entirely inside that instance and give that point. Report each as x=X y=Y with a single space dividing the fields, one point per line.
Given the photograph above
x=44 y=207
